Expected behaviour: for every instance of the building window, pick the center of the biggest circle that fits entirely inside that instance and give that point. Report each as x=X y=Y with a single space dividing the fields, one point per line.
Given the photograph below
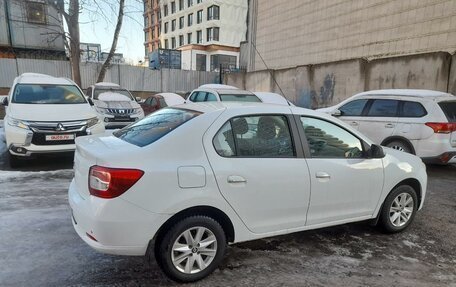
x=223 y=61
x=199 y=16
x=165 y=10
x=199 y=37
x=36 y=12
x=173 y=7
x=152 y=19
x=153 y=34
x=166 y=27
x=173 y=25
x=189 y=3
x=146 y=37
x=166 y=44
x=181 y=5
x=190 y=19
x=181 y=22
x=212 y=34
x=173 y=43
x=146 y=21
x=199 y=1
x=181 y=40
x=213 y=12
x=189 y=38
x=200 y=62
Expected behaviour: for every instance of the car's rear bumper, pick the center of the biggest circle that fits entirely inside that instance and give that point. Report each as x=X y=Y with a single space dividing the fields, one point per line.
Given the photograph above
x=444 y=158
x=113 y=226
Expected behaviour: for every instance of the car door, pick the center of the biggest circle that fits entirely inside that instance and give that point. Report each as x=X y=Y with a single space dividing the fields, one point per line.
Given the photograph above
x=411 y=120
x=345 y=184
x=351 y=112
x=380 y=120
x=259 y=170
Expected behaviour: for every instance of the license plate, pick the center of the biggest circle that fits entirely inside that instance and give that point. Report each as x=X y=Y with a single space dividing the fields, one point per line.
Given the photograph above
x=65 y=137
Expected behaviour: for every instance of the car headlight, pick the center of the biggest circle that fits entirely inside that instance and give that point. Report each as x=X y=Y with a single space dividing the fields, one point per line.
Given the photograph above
x=92 y=121
x=102 y=110
x=18 y=123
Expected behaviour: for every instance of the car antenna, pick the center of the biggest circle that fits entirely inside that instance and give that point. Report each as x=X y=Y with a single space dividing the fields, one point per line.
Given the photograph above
x=270 y=71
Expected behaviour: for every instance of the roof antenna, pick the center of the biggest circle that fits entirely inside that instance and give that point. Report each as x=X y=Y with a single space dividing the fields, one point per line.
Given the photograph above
x=270 y=71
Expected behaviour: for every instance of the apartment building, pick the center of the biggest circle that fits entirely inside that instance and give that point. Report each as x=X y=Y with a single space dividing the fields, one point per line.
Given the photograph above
x=30 y=29
x=207 y=32
x=152 y=22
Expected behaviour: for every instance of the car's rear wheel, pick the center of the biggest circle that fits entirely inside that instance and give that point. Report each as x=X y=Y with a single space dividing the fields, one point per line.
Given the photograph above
x=399 y=209
x=192 y=249
x=400 y=146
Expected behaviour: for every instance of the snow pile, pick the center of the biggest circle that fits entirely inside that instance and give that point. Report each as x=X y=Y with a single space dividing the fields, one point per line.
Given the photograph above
x=2 y=138
x=110 y=96
x=6 y=176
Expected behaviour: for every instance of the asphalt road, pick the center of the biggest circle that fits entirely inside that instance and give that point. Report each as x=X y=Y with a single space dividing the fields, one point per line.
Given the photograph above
x=38 y=246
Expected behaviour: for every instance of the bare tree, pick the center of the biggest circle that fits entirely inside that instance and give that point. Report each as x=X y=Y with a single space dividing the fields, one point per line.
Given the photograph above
x=107 y=63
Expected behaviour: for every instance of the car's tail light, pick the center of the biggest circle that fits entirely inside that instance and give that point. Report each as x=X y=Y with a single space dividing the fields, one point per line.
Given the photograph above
x=442 y=128
x=107 y=182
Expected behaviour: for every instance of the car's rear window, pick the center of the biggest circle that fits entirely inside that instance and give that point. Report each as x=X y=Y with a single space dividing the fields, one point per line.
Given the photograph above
x=155 y=126
x=239 y=98
x=449 y=108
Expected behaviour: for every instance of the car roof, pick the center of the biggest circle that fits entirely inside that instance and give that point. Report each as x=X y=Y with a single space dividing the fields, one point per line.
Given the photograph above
x=36 y=78
x=272 y=98
x=405 y=92
x=217 y=86
x=107 y=84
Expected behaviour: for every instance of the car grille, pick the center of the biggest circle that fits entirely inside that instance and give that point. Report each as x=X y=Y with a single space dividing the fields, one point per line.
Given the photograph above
x=121 y=112
x=40 y=139
x=41 y=129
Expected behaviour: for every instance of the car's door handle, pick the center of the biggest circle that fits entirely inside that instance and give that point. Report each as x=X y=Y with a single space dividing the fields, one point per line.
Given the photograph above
x=236 y=179
x=322 y=174
x=354 y=124
x=389 y=126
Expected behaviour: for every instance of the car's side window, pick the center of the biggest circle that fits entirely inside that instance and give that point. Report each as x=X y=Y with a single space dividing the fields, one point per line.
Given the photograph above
x=255 y=136
x=153 y=102
x=193 y=96
x=383 y=108
x=412 y=110
x=327 y=140
x=148 y=101
x=162 y=103
x=211 y=97
x=354 y=108
x=200 y=97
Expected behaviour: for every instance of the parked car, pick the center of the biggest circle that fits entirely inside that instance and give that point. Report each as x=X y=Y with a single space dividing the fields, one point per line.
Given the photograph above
x=221 y=93
x=161 y=100
x=273 y=98
x=247 y=171
x=115 y=105
x=45 y=114
x=420 y=122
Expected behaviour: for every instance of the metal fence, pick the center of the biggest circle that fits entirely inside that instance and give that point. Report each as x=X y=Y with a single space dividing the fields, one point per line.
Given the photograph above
x=129 y=77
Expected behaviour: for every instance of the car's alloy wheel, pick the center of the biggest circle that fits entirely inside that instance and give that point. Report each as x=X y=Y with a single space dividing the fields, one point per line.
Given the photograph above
x=400 y=146
x=398 y=209
x=191 y=249
x=194 y=250
x=401 y=209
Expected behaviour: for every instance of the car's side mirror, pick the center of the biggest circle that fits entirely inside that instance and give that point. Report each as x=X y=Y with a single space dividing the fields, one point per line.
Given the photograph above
x=336 y=113
x=375 y=151
x=5 y=101
x=90 y=101
x=138 y=99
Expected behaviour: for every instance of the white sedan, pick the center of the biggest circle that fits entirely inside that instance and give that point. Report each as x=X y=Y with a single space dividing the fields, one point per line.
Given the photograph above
x=186 y=181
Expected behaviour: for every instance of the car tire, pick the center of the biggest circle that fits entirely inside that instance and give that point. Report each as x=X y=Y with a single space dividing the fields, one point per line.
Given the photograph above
x=14 y=161
x=182 y=258
x=400 y=146
x=399 y=209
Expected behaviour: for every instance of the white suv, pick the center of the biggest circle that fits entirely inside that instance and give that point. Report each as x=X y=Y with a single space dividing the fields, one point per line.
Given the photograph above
x=44 y=115
x=420 y=122
x=115 y=105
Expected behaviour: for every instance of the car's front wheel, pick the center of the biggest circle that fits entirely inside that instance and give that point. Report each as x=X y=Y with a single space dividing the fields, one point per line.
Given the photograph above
x=399 y=209
x=192 y=249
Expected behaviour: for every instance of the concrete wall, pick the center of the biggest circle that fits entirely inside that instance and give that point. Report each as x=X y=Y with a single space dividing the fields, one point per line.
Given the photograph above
x=294 y=33
x=315 y=86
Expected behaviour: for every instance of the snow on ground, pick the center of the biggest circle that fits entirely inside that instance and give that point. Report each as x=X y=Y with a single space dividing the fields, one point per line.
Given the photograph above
x=110 y=96
x=6 y=176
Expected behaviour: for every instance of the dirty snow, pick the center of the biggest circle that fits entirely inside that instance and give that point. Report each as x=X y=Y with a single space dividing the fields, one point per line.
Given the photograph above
x=6 y=176
x=110 y=96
